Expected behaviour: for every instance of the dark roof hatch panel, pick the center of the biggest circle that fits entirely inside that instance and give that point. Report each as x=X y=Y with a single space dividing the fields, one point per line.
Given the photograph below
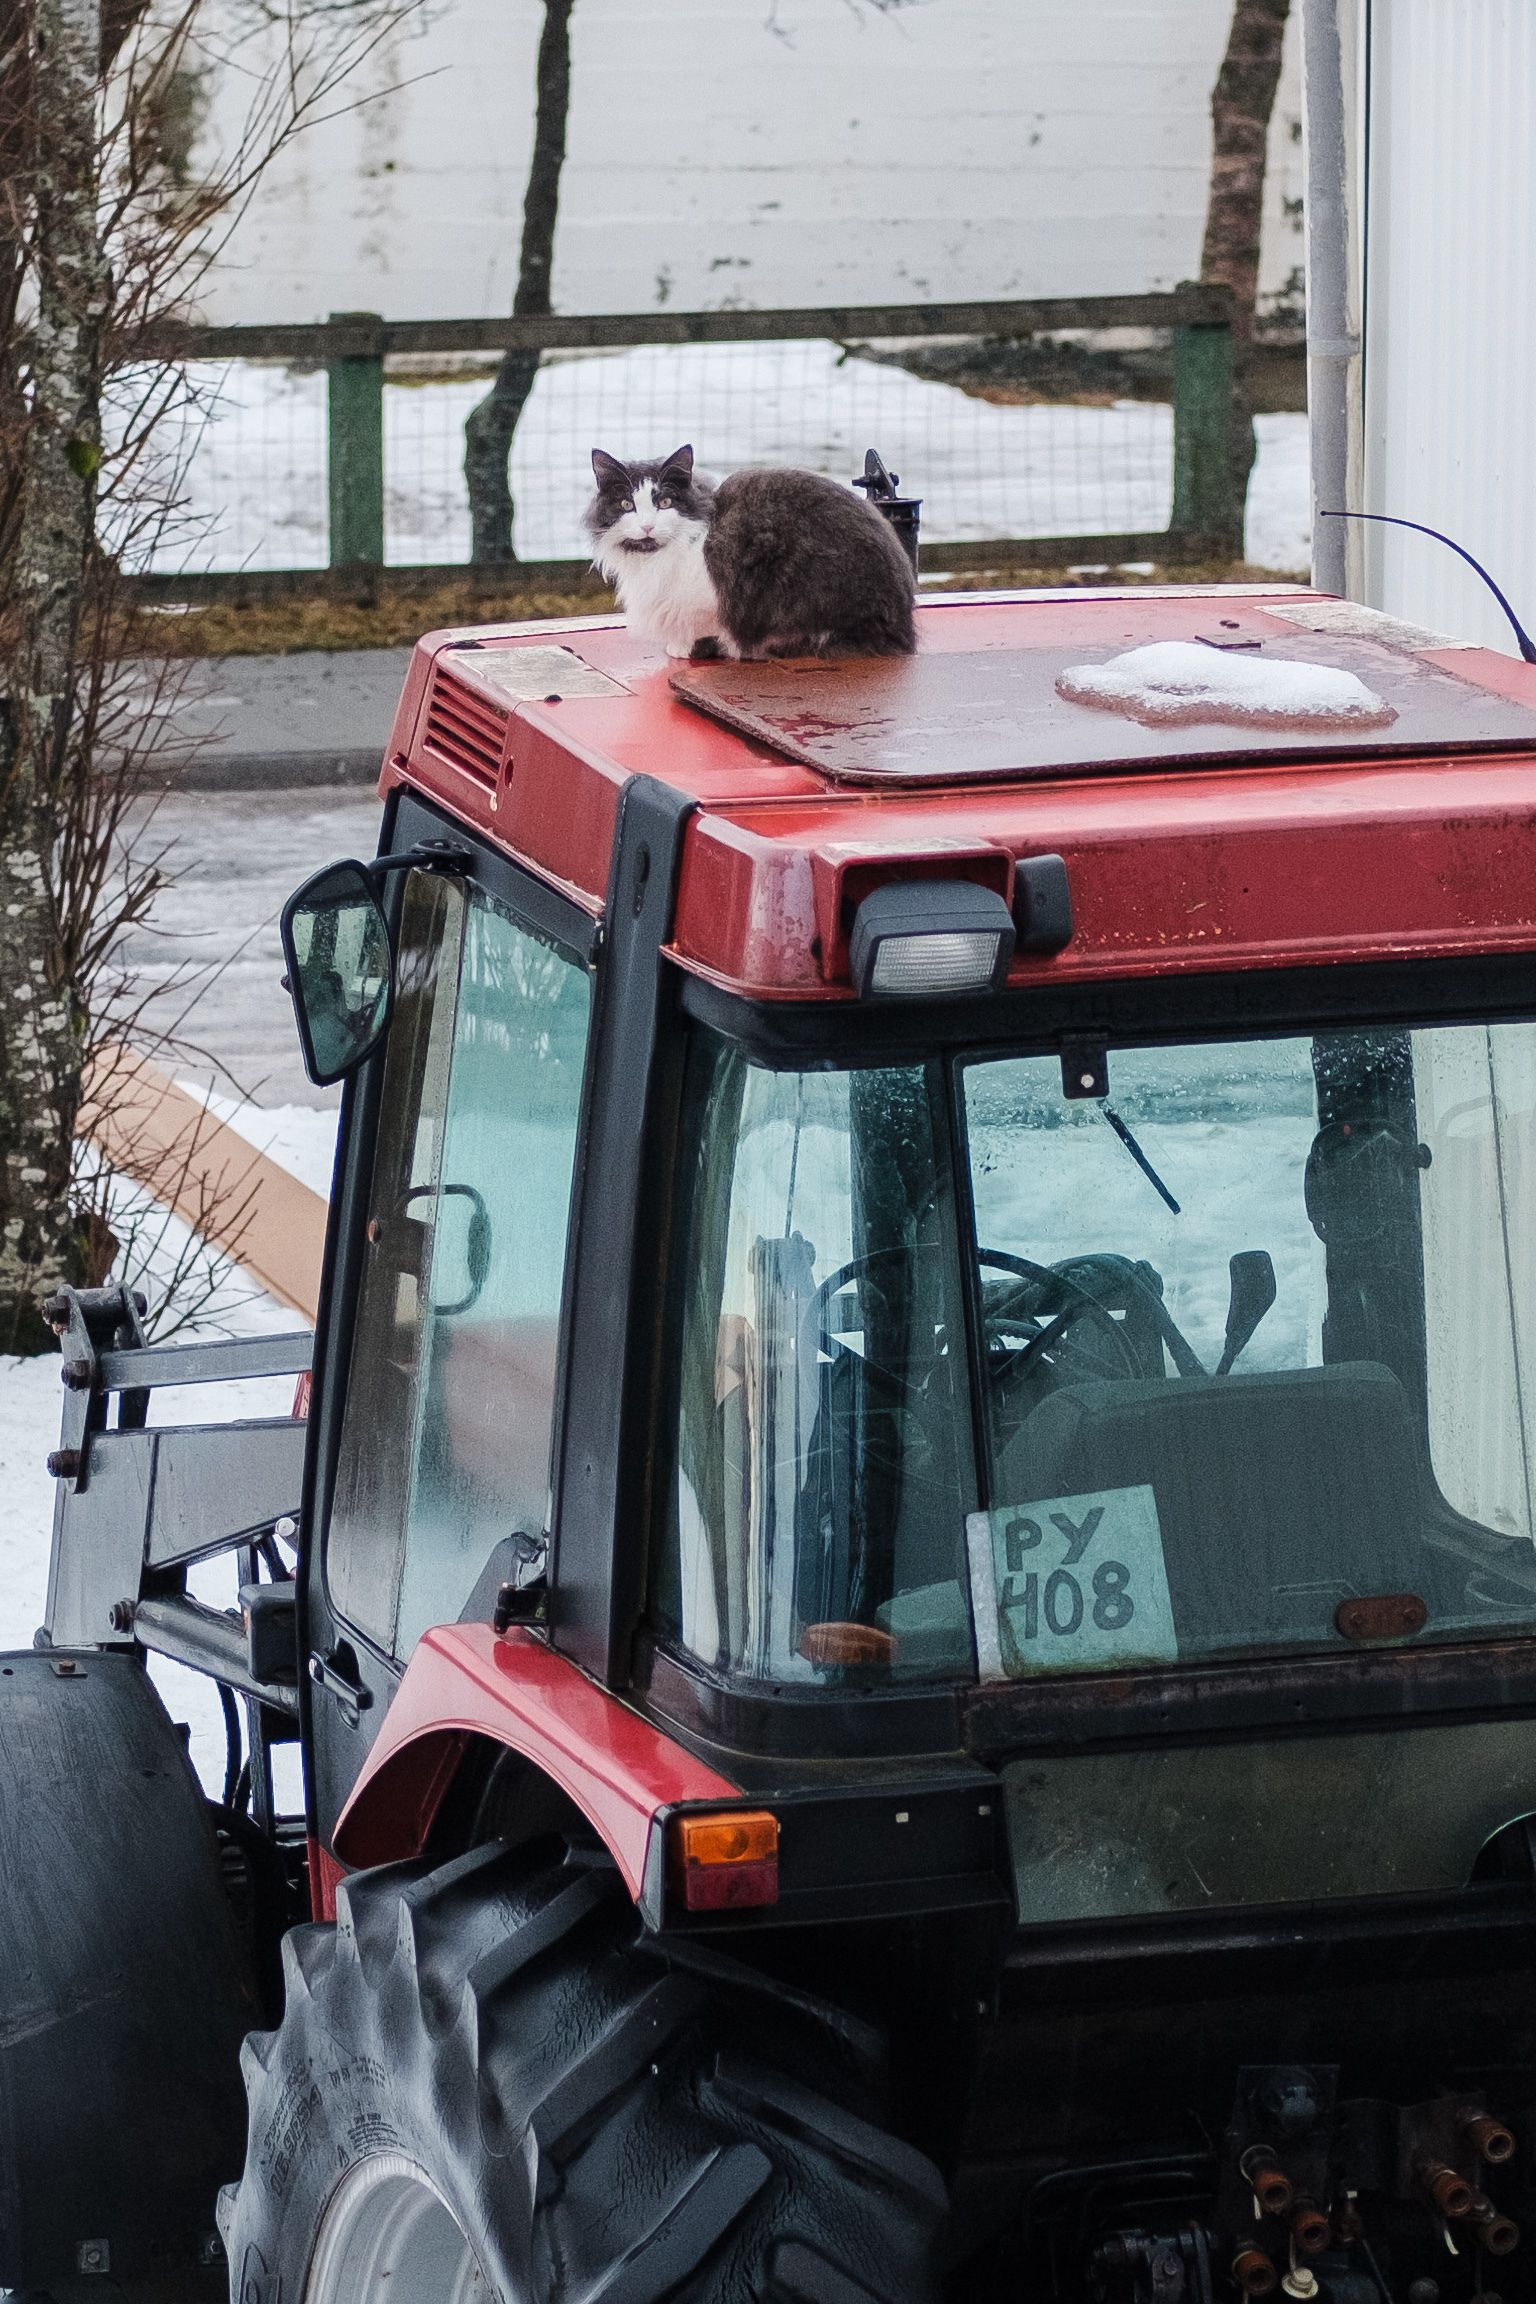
x=957 y=716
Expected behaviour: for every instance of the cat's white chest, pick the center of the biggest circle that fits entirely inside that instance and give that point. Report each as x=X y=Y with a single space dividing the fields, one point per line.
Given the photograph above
x=667 y=596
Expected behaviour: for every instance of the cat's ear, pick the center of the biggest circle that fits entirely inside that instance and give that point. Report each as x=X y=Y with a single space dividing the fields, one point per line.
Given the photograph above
x=607 y=468
x=681 y=462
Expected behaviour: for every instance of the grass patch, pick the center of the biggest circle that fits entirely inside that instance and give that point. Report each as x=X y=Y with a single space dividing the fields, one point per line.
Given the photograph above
x=282 y=625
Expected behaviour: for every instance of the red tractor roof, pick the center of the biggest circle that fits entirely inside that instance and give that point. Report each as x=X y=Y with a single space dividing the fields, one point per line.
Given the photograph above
x=1193 y=847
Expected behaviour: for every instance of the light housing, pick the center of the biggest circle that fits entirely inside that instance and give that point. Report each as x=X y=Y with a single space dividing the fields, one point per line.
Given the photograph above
x=925 y=939
x=726 y=1860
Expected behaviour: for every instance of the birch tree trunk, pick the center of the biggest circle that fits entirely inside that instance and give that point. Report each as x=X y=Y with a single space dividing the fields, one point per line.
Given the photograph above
x=490 y=426
x=1242 y=103
x=41 y=1031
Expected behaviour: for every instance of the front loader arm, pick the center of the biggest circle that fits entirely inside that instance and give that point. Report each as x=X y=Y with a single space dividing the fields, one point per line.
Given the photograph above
x=137 y=1506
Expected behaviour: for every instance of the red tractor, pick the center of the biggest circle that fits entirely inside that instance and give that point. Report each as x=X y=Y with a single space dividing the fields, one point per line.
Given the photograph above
x=908 y=1586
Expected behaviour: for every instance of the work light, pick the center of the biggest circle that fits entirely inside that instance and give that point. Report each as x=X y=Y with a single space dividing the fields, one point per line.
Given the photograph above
x=917 y=938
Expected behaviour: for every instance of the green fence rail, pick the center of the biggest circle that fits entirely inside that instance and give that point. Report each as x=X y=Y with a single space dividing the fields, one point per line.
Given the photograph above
x=1207 y=507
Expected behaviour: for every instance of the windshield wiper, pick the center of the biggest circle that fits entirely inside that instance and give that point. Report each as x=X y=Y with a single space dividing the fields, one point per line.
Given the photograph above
x=1140 y=1158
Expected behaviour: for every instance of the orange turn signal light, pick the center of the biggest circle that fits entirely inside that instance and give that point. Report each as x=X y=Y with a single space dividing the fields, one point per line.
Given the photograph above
x=727 y=1860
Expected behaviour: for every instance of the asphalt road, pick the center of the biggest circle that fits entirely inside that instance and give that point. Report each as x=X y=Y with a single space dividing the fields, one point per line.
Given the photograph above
x=209 y=955
x=272 y=722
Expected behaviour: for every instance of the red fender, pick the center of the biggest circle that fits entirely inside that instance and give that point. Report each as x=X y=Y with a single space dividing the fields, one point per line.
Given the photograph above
x=462 y=1681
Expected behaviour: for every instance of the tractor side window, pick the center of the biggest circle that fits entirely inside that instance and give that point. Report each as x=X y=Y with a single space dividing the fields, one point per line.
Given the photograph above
x=822 y=1462
x=446 y=1446
x=496 y=1272
x=379 y=1430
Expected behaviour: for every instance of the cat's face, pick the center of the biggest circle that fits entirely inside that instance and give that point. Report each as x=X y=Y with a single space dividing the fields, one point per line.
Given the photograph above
x=641 y=508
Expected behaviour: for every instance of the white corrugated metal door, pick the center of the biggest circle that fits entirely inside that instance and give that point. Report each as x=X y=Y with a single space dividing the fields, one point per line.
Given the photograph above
x=1450 y=307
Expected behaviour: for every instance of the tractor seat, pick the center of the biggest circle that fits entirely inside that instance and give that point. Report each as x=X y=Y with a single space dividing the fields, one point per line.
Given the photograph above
x=1278 y=1495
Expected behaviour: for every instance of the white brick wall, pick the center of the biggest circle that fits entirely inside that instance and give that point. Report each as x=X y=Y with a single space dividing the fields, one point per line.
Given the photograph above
x=764 y=152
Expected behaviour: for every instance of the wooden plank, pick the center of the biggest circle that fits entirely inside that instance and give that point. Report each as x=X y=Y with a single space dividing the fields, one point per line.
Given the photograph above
x=367 y=338
x=269 y=1223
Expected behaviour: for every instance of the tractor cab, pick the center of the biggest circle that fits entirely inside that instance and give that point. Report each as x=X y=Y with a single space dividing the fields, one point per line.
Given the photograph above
x=1071 y=1233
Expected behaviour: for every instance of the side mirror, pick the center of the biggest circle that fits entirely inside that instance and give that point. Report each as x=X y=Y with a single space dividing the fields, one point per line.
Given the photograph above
x=340 y=969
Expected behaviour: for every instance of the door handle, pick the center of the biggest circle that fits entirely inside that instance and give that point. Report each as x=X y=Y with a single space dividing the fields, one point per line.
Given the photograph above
x=337 y=1674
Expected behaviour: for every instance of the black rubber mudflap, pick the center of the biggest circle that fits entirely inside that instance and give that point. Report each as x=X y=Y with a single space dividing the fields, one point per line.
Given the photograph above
x=123 y=1992
x=605 y=2130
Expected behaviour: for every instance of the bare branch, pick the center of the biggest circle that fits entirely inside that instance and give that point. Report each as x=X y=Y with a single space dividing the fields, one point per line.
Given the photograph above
x=106 y=237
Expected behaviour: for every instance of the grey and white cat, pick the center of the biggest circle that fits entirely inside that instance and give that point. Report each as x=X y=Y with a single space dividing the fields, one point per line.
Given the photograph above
x=770 y=563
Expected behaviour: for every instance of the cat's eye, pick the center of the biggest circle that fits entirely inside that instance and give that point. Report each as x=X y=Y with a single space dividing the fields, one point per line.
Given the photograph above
x=663 y=503
x=628 y=504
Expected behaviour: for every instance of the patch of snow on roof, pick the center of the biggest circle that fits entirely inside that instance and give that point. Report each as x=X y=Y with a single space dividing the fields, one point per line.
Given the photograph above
x=1171 y=683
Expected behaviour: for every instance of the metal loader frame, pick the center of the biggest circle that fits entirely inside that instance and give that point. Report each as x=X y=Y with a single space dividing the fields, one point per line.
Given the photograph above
x=138 y=1506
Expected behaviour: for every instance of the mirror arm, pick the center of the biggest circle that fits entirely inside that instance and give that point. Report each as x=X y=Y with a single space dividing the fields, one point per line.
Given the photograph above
x=427 y=856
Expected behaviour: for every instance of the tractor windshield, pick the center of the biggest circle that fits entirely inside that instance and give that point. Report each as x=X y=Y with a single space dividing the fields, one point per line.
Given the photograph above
x=1184 y=1352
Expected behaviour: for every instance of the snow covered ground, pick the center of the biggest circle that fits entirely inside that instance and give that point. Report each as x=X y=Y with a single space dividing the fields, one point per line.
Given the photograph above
x=29 y=1425
x=256 y=491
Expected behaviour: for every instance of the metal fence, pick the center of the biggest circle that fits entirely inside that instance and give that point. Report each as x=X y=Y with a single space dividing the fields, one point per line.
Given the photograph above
x=340 y=445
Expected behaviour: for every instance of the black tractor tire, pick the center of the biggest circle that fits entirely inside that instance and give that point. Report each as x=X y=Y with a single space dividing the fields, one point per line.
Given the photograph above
x=601 y=2123
x=125 y=1991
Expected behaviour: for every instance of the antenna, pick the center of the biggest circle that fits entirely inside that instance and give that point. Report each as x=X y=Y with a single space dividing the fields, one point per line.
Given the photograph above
x=1526 y=644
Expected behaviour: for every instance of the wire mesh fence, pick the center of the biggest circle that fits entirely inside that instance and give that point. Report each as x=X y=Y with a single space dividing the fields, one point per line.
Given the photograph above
x=992 y=455
x=255 y=477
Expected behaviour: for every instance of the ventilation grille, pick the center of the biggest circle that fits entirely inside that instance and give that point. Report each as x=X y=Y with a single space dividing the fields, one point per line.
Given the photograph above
x=466 y=730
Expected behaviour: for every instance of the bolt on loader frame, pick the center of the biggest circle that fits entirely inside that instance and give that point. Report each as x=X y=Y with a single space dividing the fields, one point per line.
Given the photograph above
x=904 y=1567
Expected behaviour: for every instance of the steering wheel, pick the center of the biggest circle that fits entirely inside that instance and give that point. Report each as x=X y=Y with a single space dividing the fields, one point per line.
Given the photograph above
x=1051 y=1301
x=858 y=1268
x=1047 y=1283
x=903 y=1418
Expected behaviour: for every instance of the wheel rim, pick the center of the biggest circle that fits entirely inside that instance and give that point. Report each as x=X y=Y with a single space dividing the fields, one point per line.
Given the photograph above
x=387 y=2232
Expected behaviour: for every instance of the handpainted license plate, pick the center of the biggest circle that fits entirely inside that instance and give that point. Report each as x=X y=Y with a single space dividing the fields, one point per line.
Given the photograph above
x=1070 y=1584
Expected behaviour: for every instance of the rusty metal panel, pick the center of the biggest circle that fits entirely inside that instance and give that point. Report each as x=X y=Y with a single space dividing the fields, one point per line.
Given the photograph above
x=1003 y=1719
x=951 y=716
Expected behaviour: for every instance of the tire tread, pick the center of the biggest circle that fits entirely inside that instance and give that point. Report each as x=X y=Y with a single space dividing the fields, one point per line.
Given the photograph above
x=647 y=2138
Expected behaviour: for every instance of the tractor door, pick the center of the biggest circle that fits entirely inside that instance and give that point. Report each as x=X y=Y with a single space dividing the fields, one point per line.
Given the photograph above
x=446 y=1359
